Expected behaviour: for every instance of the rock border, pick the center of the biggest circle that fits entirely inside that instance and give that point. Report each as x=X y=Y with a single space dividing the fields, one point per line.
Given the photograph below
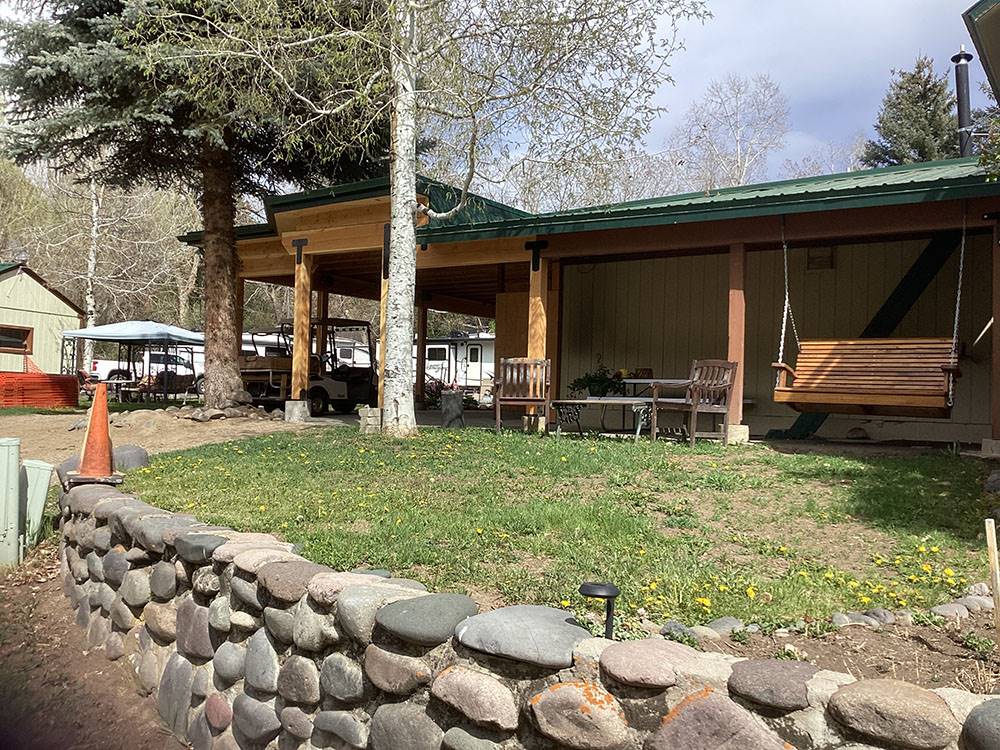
x=245 y=644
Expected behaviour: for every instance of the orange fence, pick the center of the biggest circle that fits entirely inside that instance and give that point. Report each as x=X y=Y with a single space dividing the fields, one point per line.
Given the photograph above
x=38 y=389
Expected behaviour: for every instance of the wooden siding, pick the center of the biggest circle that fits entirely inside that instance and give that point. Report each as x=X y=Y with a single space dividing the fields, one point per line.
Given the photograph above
x=25 y=302
x=664 y=312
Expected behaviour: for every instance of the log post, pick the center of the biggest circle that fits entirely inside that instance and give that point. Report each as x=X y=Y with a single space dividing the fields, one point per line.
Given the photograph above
x=995 y=335
x=538 y=318
x=301 y=317
x=241 y=285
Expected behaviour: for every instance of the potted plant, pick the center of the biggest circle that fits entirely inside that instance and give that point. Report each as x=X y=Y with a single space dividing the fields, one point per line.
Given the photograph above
x=599 y=382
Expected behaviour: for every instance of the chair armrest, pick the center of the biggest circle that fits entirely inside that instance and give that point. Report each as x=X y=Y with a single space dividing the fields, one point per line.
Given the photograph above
x=783 y=367
x=954 y=370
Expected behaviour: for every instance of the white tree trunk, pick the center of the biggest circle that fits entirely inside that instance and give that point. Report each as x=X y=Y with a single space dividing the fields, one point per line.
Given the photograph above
x=398 y=416
x=89 y=295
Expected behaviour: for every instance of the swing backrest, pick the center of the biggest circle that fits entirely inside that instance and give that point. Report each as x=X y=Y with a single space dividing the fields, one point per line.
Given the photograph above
x=861 y=375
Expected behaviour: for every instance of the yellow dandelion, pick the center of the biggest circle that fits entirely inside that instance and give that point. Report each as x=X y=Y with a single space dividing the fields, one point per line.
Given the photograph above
x=751 y=592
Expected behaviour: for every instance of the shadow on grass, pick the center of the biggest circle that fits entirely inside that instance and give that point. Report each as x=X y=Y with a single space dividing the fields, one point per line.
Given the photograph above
x=916 y=495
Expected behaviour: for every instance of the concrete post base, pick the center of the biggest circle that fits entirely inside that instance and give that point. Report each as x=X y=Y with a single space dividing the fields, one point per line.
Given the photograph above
x=532 y=423
x=991 y=446
x=296 y=411
x=739 y=434
x=371 y=420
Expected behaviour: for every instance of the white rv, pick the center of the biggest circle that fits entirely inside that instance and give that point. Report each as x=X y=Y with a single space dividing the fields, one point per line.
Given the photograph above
x=466 y=361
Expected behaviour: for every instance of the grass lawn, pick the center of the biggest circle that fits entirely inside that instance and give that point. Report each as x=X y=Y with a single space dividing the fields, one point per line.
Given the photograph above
x=687 y=534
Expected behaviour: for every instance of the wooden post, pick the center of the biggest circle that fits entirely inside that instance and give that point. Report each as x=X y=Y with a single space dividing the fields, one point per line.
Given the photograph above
x=241 y=284
x=419 y=389
x=321 y=329
x=301 y=328
x=538 y=304
x=995 y=334
x=991 y=546
x=737 y=326
x=554 y=343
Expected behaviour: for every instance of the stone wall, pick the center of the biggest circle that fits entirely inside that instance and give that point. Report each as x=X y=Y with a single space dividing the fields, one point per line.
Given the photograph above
x=247 y=645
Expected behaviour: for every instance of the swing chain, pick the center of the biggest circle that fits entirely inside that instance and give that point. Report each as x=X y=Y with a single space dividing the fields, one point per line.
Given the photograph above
x=787 y=314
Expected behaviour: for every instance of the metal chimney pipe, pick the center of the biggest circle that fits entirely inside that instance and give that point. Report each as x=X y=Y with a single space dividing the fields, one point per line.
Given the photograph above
x=961 y=61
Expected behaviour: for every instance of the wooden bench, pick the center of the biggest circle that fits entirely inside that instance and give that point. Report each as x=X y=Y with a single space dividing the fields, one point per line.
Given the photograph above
x=909 y=377
x=709 y=392
x=521 y=381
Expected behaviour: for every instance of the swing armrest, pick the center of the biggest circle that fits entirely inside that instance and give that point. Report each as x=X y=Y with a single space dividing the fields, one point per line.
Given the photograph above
x=954 y=370
x=783 y=372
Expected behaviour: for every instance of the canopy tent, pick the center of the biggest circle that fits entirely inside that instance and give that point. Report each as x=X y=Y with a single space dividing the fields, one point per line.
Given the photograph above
x=138 y=332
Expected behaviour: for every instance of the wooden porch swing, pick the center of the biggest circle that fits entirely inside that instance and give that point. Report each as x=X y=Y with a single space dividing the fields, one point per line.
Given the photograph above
x=893 y=377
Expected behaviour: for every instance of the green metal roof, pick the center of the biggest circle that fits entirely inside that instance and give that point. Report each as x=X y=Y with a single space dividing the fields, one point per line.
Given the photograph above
x=911 y=183
x=983 y=23
x=5 y=267
x=477 y=209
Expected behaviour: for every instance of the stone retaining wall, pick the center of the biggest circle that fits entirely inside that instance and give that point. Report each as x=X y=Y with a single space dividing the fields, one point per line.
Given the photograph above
x=247 y=645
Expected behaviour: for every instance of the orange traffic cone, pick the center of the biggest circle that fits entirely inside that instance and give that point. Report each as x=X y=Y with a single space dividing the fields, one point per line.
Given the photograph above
x=97 y=457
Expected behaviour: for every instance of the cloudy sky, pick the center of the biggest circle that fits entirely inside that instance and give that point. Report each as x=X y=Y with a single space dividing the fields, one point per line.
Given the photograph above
x=832 y=59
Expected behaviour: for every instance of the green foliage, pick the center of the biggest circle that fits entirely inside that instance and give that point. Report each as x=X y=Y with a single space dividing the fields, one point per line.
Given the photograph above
x=599 y=382
x=980 y=645
x=917 y=121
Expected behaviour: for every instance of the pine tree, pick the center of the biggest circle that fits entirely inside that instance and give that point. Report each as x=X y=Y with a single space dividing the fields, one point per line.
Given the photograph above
x=917 y=121
x=84 y=98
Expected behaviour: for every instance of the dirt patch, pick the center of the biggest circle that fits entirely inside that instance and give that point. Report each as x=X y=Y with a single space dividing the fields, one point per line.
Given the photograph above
x=48 y=437
x=928 y=656
x=55 y=690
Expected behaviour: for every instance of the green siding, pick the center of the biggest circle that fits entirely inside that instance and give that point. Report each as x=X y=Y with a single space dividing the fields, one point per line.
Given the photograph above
x=25 y=302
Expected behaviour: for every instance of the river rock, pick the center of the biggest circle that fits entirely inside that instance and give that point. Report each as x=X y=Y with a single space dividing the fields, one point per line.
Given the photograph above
x=895 y=713
x=255 y=719
x=286 y=580
x=194 y=638
x=163 y=581
x=205 y=582
x=280 y=622
x=708 y=720
x=404 y=725
x=643 y=663
x=325 y=587
x=313 y=629
x=95 y=566
x=774 y=683
x=298 y=680
x=261 y=663
x=173 y=697
x=220 y=614
x=427 y=620
x=458 y=738
x=252 y=560
x=161 y=621
x=358 y=605
x=952 y=611
x=102 y=539
x=115 y=567
x=581 y=715
x=135 y=587
x=247 y=593
x=554 y=634
x=478 y=696
x=394 y=673
x=121 y=615
x=982 y=727
x=342 y=678
x=297 y=722
x=345 y=725
x=229 y=662
x=197 y=548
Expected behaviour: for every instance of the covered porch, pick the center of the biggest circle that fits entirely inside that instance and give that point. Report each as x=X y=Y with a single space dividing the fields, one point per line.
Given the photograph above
x=655 y=284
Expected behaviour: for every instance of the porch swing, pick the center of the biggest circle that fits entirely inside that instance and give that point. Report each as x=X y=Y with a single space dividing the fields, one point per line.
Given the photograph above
x=893 y=377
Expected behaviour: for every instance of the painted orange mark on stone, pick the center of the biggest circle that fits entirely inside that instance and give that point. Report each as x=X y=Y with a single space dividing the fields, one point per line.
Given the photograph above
x=685 y=703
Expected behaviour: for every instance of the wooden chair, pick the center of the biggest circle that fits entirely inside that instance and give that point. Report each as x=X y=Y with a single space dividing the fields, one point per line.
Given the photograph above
x=520 y=381
x=890 y=377
x=709 y=392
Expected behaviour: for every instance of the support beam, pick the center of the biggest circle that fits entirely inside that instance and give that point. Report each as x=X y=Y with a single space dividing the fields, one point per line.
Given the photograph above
x=321 y=330
x=995 y=335
x=737 y=326
x=301 y=330
x=383 y=315
x=538 y=308
x=419 y=394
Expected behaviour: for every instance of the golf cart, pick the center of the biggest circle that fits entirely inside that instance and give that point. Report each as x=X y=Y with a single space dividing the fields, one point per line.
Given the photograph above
x=341 y=366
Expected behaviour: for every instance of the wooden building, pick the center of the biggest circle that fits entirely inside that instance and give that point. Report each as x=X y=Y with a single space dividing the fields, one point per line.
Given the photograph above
x=657 y=283
x=33 y=317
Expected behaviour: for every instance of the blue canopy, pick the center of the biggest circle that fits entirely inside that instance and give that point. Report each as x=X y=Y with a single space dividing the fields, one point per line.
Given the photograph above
x=138 y=332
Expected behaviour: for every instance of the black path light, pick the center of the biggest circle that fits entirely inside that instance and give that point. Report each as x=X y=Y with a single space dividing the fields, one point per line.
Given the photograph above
x=609 y=592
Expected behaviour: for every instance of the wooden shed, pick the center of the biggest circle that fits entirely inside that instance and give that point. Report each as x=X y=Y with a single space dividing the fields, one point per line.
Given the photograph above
x=33 y=317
